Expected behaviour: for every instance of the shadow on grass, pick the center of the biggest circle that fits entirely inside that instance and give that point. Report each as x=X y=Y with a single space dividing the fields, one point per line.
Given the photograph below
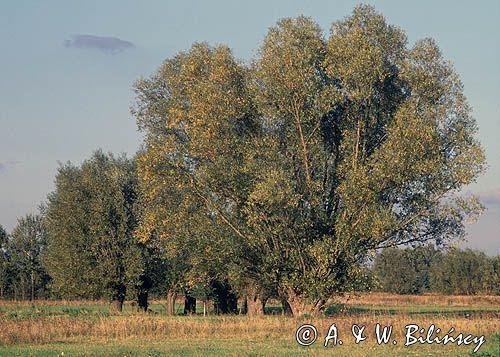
x=341 y=309
x=346 y=310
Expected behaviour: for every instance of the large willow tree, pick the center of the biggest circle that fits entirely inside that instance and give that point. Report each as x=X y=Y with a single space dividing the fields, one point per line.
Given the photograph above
x=321 y=151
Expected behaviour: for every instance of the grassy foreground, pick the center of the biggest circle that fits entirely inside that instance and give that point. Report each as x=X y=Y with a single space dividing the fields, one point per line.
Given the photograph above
x=87 y=329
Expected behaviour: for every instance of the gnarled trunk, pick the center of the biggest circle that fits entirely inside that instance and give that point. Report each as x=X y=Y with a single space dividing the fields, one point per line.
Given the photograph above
x=255 y=303
x=170 y=304
x=301 y=306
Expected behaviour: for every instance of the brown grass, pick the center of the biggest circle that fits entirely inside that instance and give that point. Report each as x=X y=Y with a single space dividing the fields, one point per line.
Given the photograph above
x=63 y=329
x=54 y=329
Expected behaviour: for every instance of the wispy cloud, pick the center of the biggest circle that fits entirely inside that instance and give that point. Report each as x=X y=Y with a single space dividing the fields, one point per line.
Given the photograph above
x=5 y=165
x=110 y=45
x=490 y=198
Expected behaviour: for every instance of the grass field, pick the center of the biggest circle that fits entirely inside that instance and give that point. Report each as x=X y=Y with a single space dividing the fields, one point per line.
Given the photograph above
x=86 y=328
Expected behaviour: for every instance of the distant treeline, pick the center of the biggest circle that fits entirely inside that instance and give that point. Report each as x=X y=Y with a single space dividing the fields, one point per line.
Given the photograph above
x=425 y=269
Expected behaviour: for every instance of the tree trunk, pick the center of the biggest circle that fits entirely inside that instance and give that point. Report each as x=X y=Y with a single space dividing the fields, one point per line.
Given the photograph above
x=255 y=304
x=300 y=306
x=142 y=301
x=23 y=289
x=189 y=305
x=32 y=285
x=171 y=297
x=287 y=310
x=118 y=298
x=244 y=306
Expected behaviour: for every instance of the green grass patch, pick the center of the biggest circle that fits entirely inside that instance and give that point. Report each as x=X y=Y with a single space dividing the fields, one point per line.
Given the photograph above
x=234 y=347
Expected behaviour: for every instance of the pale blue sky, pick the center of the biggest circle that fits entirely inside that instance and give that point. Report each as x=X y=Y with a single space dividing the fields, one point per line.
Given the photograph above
x=61 y=97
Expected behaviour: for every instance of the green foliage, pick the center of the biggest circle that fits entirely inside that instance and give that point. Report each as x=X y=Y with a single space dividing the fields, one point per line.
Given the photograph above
x=425 y=269
x=292 y=170
x=180 y=212
x=466 y=272
x=4 y=262
x=3 y=236
x=91 y=218
x=405 y=271
x=26 y=247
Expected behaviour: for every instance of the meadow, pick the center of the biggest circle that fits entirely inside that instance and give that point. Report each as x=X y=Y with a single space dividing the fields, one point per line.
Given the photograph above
x=87 y=328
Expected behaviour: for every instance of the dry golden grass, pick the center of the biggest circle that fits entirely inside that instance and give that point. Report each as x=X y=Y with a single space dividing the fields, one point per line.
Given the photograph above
x=63 y=329
x=41 y=329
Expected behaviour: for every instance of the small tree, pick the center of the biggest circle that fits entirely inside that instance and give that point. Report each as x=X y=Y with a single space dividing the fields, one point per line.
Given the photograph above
x=4 y=262
x=26 y=248
x=91 y=217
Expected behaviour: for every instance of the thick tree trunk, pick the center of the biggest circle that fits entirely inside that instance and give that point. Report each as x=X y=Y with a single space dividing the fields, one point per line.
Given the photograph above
x=301 y=306
x=255 y=304
x=171 y=297
x=189 y=305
